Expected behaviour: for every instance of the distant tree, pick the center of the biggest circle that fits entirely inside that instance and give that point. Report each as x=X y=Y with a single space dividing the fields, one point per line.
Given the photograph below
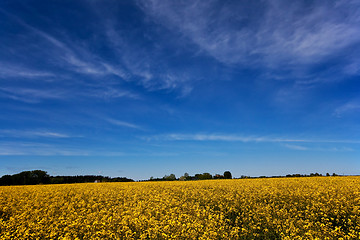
x=206 y=176
x=227 y=175
x=41 y=176
x=30 y=177
x=6 y=180
x=328 y=174
x=185 y=177
x=203 y=176
x=171 y=177
x=334 y=175
x=57 y=180
x=218 y=176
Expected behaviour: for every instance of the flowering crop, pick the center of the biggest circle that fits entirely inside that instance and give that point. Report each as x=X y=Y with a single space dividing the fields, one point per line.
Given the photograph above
x=277 y=208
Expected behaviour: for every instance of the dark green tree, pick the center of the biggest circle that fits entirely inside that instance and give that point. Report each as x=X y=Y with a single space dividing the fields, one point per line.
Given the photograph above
x=171 y=177
x=203 y=176
x=227 y=175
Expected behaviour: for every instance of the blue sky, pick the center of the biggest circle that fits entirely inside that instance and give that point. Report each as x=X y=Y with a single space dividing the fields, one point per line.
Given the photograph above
x=148 y=88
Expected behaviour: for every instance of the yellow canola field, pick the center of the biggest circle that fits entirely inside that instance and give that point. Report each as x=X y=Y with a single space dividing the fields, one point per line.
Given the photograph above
x=287 y=208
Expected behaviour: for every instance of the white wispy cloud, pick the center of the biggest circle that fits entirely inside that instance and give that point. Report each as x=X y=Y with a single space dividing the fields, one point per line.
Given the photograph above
x=353 y=68
x=240 y=138
x=132 y=62
x=64 y=54
x=49 y=134
x=349 y=107
x=322 y=149
x=122 y=123
x=38 y=149
x=296 y=147
x=279 y=34
x=141 y=63
x=15 y=71
x=37 y=95
x=109 y=92
x=31 y=95
x=43 y=149
x=70 y=54
x=32 y=134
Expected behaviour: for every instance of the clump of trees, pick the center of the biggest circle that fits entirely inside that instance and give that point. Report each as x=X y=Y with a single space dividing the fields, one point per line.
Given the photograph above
x=42 y=177
x=171 y=177
x=311 y=175
x=205 y=176
x=198 y=176
x=295 y=175
x=26 y=178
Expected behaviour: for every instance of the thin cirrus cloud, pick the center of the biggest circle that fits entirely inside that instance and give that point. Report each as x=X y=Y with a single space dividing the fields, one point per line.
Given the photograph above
x=133 y=63
x=296 y=147
x=122 y=123
x=280 y=34
x=331 y=149
x=38 y=149
x=108 y=92
x=139 y=62
x=44 y=149
x=79 y=61
x=239 y=138
x=63 y=52
x=37 y=95
x=65 y=55
x=347 y=108
x=14 y=71
x=32 y=134
x=31 y=95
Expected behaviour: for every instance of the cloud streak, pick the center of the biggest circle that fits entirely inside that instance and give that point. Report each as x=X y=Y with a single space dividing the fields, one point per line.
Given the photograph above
x=32 y=134
x=347 y=108
x=122 y=123
x=37 y=95
x=303 y=148
x=239 y=138
x=38 y=149
x=44 y=149
x=31 y=95
x=13 y=71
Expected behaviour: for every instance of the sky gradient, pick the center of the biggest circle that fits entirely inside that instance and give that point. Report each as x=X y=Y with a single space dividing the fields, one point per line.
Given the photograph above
x=153 y=87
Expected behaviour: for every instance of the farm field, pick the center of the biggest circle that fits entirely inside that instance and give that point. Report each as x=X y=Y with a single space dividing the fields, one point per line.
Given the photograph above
x=276 y=208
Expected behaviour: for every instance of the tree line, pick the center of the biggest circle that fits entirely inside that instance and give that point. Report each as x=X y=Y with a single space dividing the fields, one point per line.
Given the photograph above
x=198 y=176
x=42 y=177
x=228 y=175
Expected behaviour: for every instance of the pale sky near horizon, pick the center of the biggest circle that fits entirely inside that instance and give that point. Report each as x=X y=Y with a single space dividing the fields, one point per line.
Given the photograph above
x=153 y=87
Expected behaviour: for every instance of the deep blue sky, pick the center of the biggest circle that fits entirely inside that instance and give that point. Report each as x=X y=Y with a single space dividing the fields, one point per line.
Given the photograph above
x=153 y=87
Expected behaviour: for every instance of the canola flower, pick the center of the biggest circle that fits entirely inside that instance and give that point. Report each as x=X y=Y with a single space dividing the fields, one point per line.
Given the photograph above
x=284 y=208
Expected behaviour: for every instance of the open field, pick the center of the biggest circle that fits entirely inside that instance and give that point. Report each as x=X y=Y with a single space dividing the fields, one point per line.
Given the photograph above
x=287 y=208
